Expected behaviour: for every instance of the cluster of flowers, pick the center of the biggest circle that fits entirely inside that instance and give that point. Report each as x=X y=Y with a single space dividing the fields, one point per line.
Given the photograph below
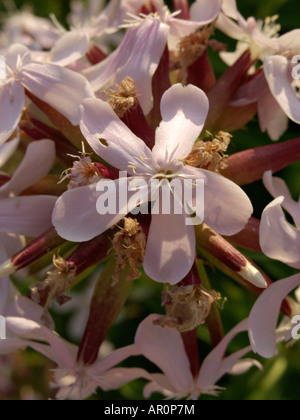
x=132 y=86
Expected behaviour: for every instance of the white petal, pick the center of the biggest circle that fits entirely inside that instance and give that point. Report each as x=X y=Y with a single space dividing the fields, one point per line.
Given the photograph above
x=184 y=110
x=170 y=250
x=165 y=348
x=278 y=239
x=75 y=216
x=212 y=366
x=123 y=147
x=37 y=162
x=264 y=316
x=12 y=99
x=277 y=74
x=61 y=88
x=271 y=117
x=227 y=208
x=28 y=216
x=277 y=187
x=70 y=47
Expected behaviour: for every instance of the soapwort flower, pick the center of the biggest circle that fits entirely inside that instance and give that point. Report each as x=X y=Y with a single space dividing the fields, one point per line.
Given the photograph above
x=170 y=247
x=61 y=88
x=164 y=347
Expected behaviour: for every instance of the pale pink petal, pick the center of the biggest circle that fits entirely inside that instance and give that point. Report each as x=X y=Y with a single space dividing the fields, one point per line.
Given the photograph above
x=243 y=366
x=11 y=344
x=230 y=9
x=184 y=110
x=271 y=117
x=159 y=383
x=61 y=88
x=278 y=77
x=28 y=216
x=23 y=307
x=212 y=366
x=277 y=187
x=230 y=58
x=164 y=347
x=70 y=47
x=75 y=216
x=12 y=99
x=144 y=45
x=116 y=378
x=202 y=13
x=30 y=330
x=290 y=41
x=227 y=208
x=170 y=250
x=112 y=360
x=231 y=28
x=278 y=239
x=15 y=54
x=7 y=150
x=37 y=162
x=264 y=316
x=121 y=147
x=235 y=366
x=205 y=11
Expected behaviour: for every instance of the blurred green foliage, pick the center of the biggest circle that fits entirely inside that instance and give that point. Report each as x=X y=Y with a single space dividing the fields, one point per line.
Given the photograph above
x=281 y=376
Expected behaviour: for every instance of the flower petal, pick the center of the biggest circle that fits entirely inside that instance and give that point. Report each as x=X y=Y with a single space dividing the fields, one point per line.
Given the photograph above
x=38 y=160
x=184 y=110
x=116 y=378
x=277 y=187
x=123 y=147
x=227 y=208
x=113 y=359
x=28 y=216
x=205 y=11
x=271 y=117
x=61 y=88
x=278 y=239
x=12 y=99
x=70 y=47
x=170 y=250
x=212 y=366
x=264 y=316
x=277 y=74
x=165 y=348
x=76 y=218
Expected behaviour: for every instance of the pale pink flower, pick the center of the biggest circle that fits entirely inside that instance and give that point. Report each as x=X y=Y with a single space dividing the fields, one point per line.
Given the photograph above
x=25 y=28
x=164 y=347
x=261 y=37
x=170 y=248
x=27 y=215
x=61 y=88
x=74 y=380
x=144 y=43
x=88 y=28
x=263 y=331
